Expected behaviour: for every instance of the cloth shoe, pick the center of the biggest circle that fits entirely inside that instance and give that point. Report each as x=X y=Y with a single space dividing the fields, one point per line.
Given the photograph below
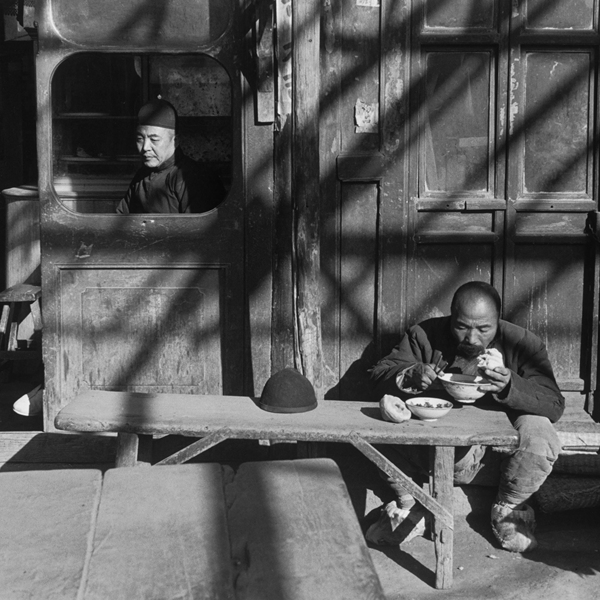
x=514 y=527
x=30 y=404
x=397 y=525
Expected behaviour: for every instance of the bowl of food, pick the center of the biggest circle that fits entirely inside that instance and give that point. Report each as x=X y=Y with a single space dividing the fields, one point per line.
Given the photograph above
x=464 y=388
x=429 y=409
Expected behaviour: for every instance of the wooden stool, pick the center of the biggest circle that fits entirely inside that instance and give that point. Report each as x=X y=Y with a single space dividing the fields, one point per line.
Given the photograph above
x=11 y=317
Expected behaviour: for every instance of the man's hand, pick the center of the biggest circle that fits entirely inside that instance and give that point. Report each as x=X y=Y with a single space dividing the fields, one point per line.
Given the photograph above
x=499 y=378
x=420 y=377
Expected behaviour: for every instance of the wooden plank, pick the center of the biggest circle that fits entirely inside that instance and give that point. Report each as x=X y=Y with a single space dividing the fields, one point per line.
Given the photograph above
x=264 y=58
x=196 y=448
x=573 y=439
x=22 y=249
x=306 y=187
x=443 y=491
x=4 y=321
x=577 y=429
x=44 y=466
x=332 y=420
x=161 y=533
x=13 y=327
x=46 y=525
x=360 y=168
x=261 y=260
x=22 y=292
x=36 y=315
x=358 y=249
x=20 y=354
x=442 y=515
x=295 y=534
x=282 y=313
x=330 y=148
x=23 y=447
x=127 y=449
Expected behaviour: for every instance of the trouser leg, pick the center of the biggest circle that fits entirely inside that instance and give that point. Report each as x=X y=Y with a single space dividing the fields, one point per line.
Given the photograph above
x=522 y=472
x=525 y=470
x=413 y=461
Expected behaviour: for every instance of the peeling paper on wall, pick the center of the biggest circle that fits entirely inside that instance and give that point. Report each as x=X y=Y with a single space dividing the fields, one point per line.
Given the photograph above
x=84 y=251
x=368 y=3
x=366 y=117
x=283 y=53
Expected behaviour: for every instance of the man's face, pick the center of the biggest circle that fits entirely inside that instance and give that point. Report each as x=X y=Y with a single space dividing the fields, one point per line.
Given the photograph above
x=155 y=144
x=474 y=325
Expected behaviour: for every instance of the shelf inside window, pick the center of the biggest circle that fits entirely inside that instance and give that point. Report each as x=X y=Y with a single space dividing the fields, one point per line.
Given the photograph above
x=92 y=115
x=99 y=159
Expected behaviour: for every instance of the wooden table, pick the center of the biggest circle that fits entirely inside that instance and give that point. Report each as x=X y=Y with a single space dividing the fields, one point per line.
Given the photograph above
x=188 y=532
x=217 y=418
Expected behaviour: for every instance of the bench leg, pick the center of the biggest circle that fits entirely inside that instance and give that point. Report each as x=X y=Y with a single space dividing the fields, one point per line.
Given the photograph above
x=443 y=492
x=133 y=449
x=310 y=450
x=196 y=448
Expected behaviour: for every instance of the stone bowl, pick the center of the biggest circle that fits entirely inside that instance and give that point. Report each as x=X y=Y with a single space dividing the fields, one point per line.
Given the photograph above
x=428 y=409
x=463 y=387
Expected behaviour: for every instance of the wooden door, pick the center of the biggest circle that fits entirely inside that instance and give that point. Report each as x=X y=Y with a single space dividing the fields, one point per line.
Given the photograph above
x=551 y=263
x=464 y=148
x=503 y=175
x=149 y=303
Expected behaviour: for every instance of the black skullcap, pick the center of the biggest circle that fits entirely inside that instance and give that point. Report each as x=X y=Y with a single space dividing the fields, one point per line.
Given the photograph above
x=288 y=391
x=159 y=113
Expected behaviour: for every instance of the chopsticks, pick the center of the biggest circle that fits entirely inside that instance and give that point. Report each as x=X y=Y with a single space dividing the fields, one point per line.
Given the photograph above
x=440 y=364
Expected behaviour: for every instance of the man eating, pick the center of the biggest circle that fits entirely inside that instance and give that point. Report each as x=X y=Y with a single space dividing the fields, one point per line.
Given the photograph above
x=521 y=382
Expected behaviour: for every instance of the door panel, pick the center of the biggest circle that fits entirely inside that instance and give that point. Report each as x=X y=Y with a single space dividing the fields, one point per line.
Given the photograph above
x=550 y=264
x=438 y=269
x=157 y=303
x=557 y=123
x=467 y=14
x=565 y=15
x=548 y=286
x=145 y=330
x=357 y=290
x=456 y=134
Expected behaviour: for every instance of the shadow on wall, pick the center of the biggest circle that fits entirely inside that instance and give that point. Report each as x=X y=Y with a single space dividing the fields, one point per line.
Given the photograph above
x=354 y=383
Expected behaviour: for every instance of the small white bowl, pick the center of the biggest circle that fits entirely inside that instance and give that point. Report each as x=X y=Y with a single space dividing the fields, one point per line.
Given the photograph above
x=463 y=387
x=429 y=409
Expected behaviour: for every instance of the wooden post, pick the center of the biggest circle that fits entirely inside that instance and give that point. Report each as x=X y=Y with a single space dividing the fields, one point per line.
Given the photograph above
x=306 y=187
x=133 y=449
x=283 y=346
x=443 y=492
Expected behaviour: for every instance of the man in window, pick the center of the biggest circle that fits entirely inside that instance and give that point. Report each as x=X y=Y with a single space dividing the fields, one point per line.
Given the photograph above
x=169 y=181
x=474 y=340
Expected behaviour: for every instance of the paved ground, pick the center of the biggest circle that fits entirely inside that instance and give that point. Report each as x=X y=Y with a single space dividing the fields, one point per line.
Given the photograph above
x=565 y=566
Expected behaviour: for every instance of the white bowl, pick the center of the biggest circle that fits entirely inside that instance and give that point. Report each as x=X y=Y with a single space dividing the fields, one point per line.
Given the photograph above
x=463 y=387
x=428 y=409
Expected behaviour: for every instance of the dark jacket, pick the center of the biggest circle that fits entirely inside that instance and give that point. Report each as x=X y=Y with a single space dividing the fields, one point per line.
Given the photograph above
x=179 y=185
x=532 y=388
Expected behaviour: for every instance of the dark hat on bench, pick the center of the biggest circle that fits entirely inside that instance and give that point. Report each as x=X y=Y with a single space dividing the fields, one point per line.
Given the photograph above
x=159 y=113
x=288 y=391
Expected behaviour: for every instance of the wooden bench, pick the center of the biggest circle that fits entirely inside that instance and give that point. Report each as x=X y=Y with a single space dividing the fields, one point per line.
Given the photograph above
x=190 y=532
x=577 y=430
x=137 y=417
